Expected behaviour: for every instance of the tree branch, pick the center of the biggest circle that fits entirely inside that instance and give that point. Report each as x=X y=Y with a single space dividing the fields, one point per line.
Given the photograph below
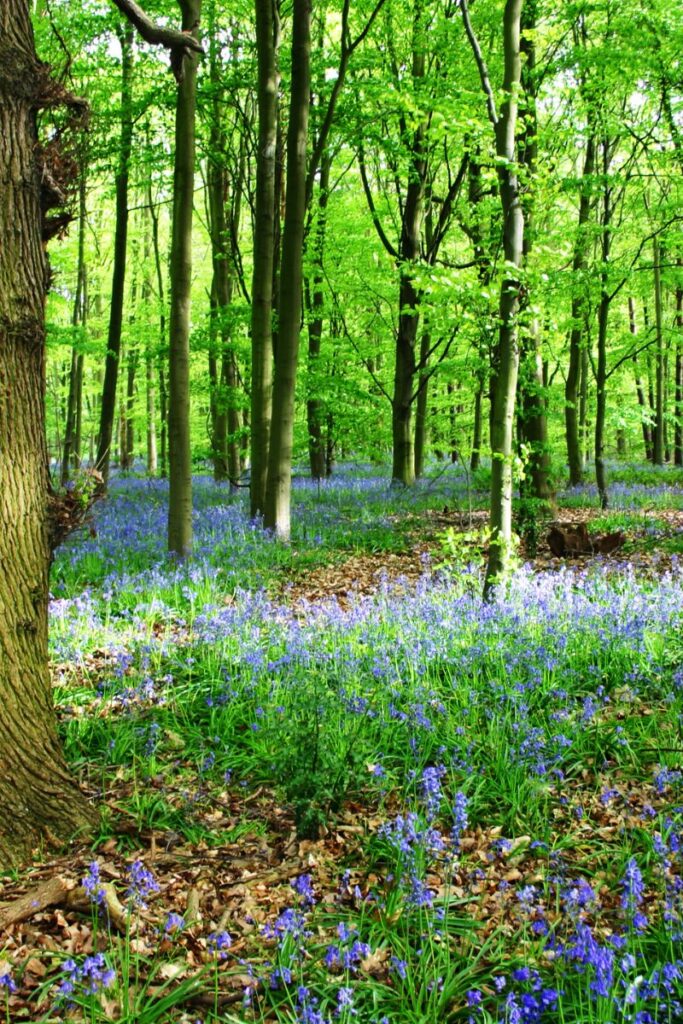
x=371 y=206
x=347 y=49
x=481 y=64
x=365 y=362
x=179 y=43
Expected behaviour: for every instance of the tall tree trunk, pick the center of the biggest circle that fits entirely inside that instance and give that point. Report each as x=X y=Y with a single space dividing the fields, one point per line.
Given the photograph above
x=267 y=38
x=163 y=341
x=151 y=435
x=502 y=419
x=678 y=383
x=129 y=450
x=475 y=457
x=111 y=366
x=179 y=451
x=72 y=432
x=224 y=231
x=163 y=421
x=603 y=319
x=421 y=406
x=659 y=434
x=278 y=491
x=316 y=303
x=403 y=468
x=644 y=410
x=38 y=798
x=533 y=395
x=577 y=337
x=584 y=434
x=150 y=398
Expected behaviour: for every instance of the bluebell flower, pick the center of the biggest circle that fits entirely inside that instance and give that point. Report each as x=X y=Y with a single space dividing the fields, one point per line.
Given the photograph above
x=219 y=943
x=174 y=923
x=141 y=884
x=8 y=983
x=92 y=884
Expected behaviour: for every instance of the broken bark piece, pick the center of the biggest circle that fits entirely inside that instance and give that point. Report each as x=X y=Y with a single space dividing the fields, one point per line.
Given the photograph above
x=609 y=542
x=52 y=893
x=62 y=892
x=566 y=541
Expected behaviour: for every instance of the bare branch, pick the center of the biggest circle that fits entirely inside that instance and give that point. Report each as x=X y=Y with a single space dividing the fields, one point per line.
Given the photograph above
x=371 y=206
x=481 y=64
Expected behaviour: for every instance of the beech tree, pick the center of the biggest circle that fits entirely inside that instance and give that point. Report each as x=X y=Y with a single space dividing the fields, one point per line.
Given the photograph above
x=111 y=366
x=38 y=796
x=504 y=125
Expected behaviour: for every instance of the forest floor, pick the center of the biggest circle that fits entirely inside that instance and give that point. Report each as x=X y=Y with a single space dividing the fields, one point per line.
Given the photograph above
x=356 y=793
x=363 y=574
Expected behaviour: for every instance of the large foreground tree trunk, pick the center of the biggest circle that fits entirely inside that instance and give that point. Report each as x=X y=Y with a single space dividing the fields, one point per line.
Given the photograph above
x=38 y=797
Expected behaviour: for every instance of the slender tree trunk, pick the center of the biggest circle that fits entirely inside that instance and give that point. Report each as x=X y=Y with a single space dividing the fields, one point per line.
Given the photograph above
x=179 y=451
x=421 y=406
x=644 y=410
x=267 y=38
x=163 y=421
x=151 y=416
x=72 y=440
x=38 y=798
x=129 y=449
x=533 y=396
x=577 y=339
x=583 y=405
x=403 y=468
x=475 y=457
x=224 y=231
x=163 y=341
x=316 y=303
x=502 y=419
x=603 y=320
x=678 y=383
x=601 y=400
x=111 y=367
x=659 y=365
x=278 y=491
x=150 y=400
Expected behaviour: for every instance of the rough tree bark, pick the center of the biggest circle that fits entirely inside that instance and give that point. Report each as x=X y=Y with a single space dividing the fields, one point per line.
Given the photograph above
x=38 y=797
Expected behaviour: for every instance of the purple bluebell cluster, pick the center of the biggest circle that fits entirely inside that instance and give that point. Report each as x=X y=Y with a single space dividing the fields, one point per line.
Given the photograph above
x=141 y=884
x=88 y=978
